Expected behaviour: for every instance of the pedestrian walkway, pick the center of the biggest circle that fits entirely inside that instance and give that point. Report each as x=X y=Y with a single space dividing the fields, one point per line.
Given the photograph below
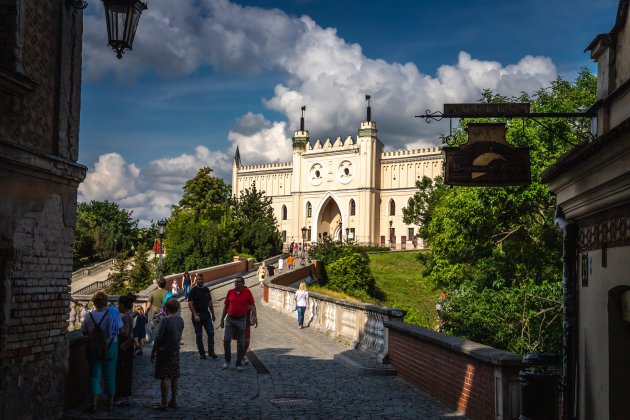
x=293 y=374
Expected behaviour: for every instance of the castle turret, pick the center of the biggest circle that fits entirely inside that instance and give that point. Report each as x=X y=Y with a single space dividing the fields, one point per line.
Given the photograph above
x=236 y=165
x=301 y=137
x=368 y=127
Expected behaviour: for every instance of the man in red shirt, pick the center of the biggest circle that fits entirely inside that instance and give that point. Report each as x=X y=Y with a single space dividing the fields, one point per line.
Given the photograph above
x=237 y=302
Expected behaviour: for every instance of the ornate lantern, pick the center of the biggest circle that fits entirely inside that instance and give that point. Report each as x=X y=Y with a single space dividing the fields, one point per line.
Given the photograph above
x=122 y=18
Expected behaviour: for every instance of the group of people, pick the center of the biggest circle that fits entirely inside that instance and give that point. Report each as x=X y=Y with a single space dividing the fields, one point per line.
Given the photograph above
x=120 y=332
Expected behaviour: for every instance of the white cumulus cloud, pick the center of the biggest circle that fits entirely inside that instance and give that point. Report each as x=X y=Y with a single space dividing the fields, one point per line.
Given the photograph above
x=315 y=67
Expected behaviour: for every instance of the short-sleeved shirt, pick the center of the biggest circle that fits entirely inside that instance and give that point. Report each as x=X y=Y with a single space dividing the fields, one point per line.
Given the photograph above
x=290 y=260
x=301 y=297
x=238 y=303
x=200 y=298
x=156 y=297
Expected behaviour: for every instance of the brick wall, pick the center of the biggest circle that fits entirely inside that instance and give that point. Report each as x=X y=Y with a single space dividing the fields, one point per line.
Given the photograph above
x=39 y=178
x=477 y=380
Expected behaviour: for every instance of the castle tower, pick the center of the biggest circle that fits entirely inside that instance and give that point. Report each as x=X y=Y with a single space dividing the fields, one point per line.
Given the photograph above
x=300 y=137
x=236 y=165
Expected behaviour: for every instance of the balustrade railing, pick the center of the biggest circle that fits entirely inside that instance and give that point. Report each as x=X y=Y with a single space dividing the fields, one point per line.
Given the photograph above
x=356 y=323
x=88 y=271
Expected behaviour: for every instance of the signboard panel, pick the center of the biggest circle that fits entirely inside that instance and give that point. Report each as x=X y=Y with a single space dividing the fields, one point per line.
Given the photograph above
x=486 y=160
x=485 y=110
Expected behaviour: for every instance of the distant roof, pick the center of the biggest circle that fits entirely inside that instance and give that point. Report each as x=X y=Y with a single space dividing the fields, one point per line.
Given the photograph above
x=620 y=22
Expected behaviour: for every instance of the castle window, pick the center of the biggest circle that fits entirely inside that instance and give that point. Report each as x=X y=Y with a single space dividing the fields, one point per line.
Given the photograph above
x=353 y=208
x=309 y=209
x=392 y=208
x=284 y=212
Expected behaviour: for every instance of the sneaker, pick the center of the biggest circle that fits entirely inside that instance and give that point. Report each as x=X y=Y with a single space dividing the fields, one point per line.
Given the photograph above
x=239 y=368
x=225 y=365
x=214 y=356
x=202 y=357
x=245 y=360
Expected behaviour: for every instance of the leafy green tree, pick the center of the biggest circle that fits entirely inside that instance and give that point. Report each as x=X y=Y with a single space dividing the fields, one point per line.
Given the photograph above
x=421 y=206
x=119 y=276
x=352 y=275
x=140 y=274
x=492 y=246
x=102 y=231
x=257 y=233
x=206 y=195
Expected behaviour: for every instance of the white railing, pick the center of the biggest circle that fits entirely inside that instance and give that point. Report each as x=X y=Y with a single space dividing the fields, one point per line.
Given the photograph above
x=88 y=271
x=356 y=323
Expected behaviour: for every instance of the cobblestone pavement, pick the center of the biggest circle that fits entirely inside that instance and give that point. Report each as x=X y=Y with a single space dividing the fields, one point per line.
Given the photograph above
x=302 y=379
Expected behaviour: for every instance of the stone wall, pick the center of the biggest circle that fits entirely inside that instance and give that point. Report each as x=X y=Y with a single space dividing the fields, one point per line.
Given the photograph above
x=39 y=178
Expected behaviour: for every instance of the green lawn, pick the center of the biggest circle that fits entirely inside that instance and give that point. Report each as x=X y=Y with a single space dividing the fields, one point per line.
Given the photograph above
x=399 y=276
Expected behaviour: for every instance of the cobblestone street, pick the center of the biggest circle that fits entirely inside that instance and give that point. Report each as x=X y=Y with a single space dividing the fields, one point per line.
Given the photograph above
x=298 y=377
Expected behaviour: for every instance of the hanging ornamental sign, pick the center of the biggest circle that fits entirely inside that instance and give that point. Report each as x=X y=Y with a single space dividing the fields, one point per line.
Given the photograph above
x=486 y=159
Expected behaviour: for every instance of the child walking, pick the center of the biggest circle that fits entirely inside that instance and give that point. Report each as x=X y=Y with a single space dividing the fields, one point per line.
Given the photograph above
x=165 y=354
x=139 y=328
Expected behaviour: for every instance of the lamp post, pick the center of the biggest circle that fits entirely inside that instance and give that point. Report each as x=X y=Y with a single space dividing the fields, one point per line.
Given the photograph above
x=390 y=234
x=348 y=234
x=115 y=247
x=303 y=242
x=161 y=226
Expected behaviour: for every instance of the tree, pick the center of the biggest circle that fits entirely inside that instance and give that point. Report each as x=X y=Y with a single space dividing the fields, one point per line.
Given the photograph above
x=140 y=275
x=421 y=206
x=119 y=284
x=102 y=230
x=490 y=241
x=257 y=233
x=206 y=195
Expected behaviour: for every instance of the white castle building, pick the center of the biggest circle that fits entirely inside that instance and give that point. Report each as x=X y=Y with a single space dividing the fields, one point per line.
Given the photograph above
x=347 y=189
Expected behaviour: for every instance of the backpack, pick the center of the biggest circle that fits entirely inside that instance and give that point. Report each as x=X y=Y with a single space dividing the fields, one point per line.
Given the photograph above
x=162 y=313
x=96 y=345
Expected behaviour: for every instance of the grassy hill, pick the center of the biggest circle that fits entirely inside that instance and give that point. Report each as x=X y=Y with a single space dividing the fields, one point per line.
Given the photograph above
x=399 y=276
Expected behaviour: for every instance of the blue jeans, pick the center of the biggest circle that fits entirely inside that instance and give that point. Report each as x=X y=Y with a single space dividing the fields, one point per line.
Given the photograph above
x=186 y=290
x=239 y=325
x=300 y=311
x=107 y=369
x=204 y=323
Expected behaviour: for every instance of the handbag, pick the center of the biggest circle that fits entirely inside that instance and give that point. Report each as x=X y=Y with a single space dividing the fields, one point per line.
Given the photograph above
x=126 y=344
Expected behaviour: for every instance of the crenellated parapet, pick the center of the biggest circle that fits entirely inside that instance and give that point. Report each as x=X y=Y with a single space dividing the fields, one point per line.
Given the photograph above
x=265 y=167
x=430 y=152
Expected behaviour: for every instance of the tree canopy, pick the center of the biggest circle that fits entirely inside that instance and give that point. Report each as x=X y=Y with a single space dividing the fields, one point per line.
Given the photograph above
x=485 y=239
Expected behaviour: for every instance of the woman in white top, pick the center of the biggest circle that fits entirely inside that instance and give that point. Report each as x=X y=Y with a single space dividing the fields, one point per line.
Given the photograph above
x=262 y=271
x=301 y=300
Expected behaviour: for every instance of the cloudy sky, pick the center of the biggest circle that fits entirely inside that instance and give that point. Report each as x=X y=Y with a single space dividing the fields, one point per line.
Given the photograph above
x=208 y=75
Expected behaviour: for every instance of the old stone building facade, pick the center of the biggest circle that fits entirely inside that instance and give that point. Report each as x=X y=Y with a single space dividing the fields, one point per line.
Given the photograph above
x=343 y=188
x=592 y=187
x=40 y=82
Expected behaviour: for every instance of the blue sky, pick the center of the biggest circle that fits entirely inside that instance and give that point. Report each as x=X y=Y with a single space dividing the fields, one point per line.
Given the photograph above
x=208 y=75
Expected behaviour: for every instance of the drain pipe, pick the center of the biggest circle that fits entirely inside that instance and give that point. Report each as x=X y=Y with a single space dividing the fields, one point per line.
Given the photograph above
x=569 y=312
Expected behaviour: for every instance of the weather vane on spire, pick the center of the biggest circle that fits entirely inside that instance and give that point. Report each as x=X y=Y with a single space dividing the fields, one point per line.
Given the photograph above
x=369 y=108
x=302 y=118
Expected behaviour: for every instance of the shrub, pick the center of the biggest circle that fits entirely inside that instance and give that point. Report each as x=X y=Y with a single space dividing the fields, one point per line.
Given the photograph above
x=351 y=274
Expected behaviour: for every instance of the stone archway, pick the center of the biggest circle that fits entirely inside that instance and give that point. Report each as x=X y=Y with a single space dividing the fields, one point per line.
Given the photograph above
x=329 y=220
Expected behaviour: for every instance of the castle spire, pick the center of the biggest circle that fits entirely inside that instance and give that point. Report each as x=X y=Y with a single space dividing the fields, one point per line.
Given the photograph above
x=369 y=108
x=237 y=157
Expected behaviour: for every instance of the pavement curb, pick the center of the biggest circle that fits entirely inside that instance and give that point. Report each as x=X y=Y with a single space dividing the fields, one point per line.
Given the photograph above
x=362 y=370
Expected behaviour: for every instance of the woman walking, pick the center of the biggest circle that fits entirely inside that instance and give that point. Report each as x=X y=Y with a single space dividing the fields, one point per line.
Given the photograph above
x=124 y=366
x=262 y=272
x=102 y=362
x=165 y=353
x=301 y=301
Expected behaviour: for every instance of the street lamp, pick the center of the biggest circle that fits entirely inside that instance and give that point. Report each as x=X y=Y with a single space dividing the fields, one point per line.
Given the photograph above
x=303 y=242
x=347 y=234
x=161 y=226
x=390 y=234
x=122 y=18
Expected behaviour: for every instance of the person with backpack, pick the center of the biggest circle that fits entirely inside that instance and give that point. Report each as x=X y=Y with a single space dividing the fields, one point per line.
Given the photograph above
x=101 y=327
x=155 y=301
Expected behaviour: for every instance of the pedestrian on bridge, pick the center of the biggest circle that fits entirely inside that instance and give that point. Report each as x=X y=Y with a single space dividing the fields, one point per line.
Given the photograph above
x=165 y=354
x=262 y=272
x=186 y=283
x=155 y=301
x=301 y=302
x=200 y=304
x=238 y=302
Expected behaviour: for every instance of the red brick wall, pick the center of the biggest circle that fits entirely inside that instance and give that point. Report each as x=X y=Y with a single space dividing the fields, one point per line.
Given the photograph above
x=455 y=379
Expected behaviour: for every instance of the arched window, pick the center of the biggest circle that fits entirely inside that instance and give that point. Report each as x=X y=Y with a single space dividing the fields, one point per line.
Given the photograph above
x=284 y=212
x=309 y=209
x=392 y=208
x=353 y=208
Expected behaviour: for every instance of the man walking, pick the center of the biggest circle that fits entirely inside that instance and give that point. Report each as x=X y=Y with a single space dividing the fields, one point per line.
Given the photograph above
x=200 y=304
x=155 y=300
x=237 y=302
